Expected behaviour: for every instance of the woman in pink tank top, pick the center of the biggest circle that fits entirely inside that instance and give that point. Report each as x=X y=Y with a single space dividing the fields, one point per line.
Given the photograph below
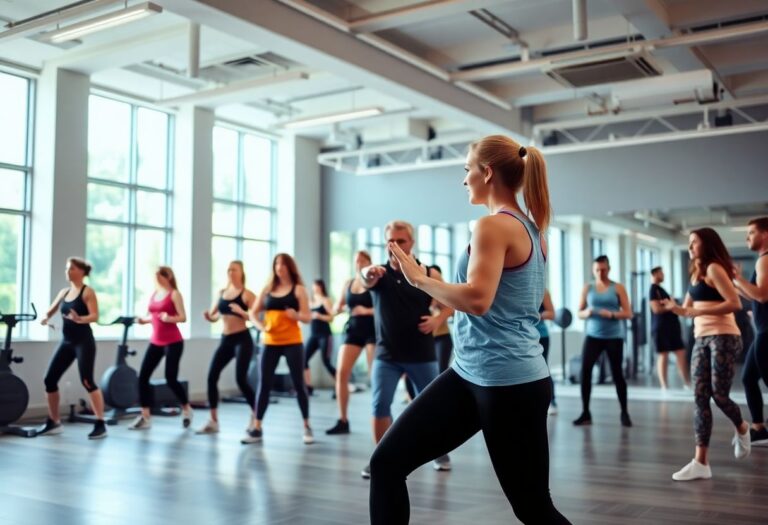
x=165 y=311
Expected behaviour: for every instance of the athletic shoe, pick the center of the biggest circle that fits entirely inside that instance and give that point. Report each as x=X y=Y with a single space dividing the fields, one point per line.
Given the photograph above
x=366 y=472
x=625 y=421
x=50 y=428
x=252 y=436
x=584 y=419
x=310 y=390
x=759 y=438
x=186 y=421
x=693 y=470
x=442 y=464
x=140 y=424
x=552 y=410
x=308 y=436
x=741 y=445
x=99 y=430
x=211 y=427
x=341 y=427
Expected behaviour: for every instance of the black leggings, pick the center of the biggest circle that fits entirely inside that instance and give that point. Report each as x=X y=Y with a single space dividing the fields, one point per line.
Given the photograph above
x=152 y=358
x=294 y=355
x=756 y=368
x=445 y=415
x=324 y=343
x=593 y=347
x=67 y=351
x=444 y=349
x=239 y=347
x=545 y=344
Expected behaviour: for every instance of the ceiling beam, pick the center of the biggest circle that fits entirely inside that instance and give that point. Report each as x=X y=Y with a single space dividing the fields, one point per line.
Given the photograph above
x=416 y=13
x=692 y=14
x=305 y=39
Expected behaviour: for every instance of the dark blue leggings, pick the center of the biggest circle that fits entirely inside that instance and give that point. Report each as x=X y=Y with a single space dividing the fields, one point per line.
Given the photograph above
x=270 y=357
x=755 y=369
x=447 y=413
x=239 y=347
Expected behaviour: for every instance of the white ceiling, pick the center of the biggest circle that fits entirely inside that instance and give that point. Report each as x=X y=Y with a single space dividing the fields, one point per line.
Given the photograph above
x=149 y=58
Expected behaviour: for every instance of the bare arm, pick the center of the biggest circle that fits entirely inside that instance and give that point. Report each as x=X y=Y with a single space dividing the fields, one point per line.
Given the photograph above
x=759 y=291
x=89 y=298
x=304 y=314
x=181 y=313
x=341 y=304
x=212 y=315
x=584 y=312
x=371 y=275
x=626 y=308
x=725 y=288
x=257 y=308
x=328 y=308
x=549 y=309
x=486 y=262
x=54 y=306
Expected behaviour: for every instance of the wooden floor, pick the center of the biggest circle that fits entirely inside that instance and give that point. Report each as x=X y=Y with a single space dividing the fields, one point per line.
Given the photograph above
x=602 y=475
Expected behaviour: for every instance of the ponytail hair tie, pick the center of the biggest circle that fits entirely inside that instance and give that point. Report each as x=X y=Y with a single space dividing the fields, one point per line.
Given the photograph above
x=522 y=151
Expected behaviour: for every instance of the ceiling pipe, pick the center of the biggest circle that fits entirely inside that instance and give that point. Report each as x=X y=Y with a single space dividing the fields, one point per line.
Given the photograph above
x=394 y=50
x=579 y=20
x=193 y=70
x=40 y=22
x=579 y=57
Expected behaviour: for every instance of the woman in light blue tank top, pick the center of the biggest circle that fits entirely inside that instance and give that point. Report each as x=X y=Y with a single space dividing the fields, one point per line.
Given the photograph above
x=604 y=306
x=499 y=382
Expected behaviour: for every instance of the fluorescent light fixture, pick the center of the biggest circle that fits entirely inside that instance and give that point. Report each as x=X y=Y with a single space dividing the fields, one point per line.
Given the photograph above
x=332 y=117
x=93 y=25
x=645 y=237
x=740 y=229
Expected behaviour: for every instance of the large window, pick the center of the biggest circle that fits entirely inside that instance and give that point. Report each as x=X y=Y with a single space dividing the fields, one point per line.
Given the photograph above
x=15 y=180
x=129 y=203
x=243 y=206
x=597 y=247
x=557 y=264
x=434 y=245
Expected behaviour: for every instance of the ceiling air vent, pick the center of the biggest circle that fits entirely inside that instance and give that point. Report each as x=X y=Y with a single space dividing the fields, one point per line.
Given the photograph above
x=604 y=71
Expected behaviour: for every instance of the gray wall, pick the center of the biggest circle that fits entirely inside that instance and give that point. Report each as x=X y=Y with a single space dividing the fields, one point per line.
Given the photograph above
x=688 y=173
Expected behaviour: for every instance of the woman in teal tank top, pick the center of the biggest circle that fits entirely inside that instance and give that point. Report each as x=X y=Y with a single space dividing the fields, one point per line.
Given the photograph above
x=604 y=306
x=499 y=382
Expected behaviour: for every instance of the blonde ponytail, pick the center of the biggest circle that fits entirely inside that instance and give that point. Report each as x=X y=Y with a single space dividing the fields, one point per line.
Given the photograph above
x=536 y=189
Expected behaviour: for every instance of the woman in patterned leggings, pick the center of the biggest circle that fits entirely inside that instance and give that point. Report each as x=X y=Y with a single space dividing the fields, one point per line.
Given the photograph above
x=711 y=301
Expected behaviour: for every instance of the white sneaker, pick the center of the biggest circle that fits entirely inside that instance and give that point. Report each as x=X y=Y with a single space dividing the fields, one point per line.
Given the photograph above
x=693 y=470
x=309 y=437
x=211 y=427
x=140 y=424
x=742 y=444
x=442 y=464
x=552 y=410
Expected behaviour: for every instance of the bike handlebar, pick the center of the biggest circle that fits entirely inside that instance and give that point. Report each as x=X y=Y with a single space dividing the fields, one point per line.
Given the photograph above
x=5 y=318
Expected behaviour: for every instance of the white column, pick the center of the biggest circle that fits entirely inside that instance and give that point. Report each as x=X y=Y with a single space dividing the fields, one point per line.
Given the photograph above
x=192 y=213
x=60 y=182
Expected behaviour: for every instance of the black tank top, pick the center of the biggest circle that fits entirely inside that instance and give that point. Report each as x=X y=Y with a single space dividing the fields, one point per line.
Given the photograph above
x=318 y=326
x=71 y=330
x=358 y=299
x=225 y=309
x=282 y=303
x=759 y=310
x=701 y=291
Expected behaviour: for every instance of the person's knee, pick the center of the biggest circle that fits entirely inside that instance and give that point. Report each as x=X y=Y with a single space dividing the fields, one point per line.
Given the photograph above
x=51 y=384
x=381 y=409
x=89 y=384
x=384 y=461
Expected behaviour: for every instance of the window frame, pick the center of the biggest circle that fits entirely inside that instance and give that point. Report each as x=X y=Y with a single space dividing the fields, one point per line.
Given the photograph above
x=131 y=224
x=24 y=260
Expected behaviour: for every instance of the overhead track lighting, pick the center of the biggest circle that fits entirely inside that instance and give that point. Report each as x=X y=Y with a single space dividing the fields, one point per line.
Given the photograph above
x=100 y=23
x=331 y=118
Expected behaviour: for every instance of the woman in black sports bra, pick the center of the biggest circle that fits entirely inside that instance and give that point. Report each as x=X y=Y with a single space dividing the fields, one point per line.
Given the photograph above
x=79 y=308
x=320 y=337
x=359 y=333
x=236 y=343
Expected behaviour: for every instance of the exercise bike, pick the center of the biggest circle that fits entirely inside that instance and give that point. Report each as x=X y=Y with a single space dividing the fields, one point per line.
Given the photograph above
x=120 y=387
x=14 y=395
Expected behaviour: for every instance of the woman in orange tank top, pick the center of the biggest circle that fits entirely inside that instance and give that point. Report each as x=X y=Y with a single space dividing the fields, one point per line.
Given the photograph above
x=277 y=311
x=711 y=301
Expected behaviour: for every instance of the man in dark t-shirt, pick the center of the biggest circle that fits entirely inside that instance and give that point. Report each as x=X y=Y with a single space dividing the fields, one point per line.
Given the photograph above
x=404 y=326
x=665 y=331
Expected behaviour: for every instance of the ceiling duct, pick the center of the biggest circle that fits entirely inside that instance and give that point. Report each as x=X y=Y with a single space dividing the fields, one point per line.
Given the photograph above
x=604 y=71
